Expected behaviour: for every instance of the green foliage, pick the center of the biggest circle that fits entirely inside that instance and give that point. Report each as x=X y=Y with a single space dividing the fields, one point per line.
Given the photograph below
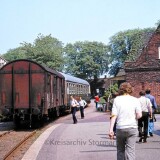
x=157 y=23
x=111 y=89
x=86 y=59
x=45 y=50
x=102 y=100
x=127 y=45
x=13 y=54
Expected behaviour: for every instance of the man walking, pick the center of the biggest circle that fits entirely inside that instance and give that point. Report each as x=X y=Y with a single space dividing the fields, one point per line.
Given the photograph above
x=74 y=104
x=126 y=109
x=154 y=107
x=146 y=107
x=82 y=104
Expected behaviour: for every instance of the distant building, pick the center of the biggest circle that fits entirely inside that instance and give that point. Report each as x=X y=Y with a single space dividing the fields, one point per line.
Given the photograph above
x=119 y=78
x=2 y=62
x=97 y=86
x=145 y=71
x=102 y=84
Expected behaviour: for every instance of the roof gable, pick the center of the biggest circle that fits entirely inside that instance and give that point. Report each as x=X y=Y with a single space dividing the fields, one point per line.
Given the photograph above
x=149 y=55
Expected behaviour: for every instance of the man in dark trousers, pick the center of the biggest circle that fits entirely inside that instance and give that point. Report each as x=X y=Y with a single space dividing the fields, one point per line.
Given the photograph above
x=154 y=107
x=146 y=107
x=82 y=104
x=74 y=104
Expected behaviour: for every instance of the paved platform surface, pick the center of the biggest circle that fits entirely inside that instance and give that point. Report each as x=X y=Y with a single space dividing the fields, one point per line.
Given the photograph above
x=87 y=140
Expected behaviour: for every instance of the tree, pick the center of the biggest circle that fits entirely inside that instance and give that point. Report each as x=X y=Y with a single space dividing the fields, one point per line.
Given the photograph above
x=45 y=50
x=13 y=54
x=127 y=45
x=157 y=23
x=86 y=59
x=111 y=89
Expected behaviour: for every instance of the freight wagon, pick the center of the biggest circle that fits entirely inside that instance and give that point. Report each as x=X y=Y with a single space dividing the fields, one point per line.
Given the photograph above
x=30 y=92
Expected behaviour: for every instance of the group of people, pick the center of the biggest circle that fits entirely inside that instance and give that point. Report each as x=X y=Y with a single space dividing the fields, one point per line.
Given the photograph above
x=81 y=103
x=126 y=111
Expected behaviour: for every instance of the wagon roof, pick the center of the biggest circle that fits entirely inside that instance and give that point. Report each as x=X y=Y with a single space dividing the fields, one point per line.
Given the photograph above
x=74 y=79
x=42 y=66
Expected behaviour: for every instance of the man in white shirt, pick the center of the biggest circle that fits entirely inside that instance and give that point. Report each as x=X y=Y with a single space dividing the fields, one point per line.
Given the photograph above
x=82 y=104
x=146 y=106
x=126 y=109
x=74 y=104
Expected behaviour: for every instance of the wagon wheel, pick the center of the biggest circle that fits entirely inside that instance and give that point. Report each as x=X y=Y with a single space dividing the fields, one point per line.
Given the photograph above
x=17 y=121
x=57 y=112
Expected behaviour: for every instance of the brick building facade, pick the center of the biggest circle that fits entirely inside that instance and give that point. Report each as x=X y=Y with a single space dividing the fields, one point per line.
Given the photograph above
x=145 y=71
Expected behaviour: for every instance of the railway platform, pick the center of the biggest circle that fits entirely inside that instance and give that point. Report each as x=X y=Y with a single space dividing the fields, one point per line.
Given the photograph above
x=87 y=140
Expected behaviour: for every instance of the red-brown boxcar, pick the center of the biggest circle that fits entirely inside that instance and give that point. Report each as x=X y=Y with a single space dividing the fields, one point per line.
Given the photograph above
x=29 y=90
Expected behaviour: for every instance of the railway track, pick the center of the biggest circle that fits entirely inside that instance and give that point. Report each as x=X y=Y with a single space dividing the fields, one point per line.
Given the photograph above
x=6 y=132
x=14 y=143
x=10 y=141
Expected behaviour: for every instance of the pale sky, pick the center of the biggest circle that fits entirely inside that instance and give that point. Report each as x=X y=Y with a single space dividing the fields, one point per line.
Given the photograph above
x=72 y=20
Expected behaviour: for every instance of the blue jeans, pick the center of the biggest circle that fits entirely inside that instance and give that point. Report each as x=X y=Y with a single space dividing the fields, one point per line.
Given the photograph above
x=96 y=105
x=126 y=139
x=151 y=126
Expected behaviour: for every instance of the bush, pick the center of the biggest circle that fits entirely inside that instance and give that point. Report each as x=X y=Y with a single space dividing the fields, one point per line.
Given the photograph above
x=112 y=89
x=102 y=100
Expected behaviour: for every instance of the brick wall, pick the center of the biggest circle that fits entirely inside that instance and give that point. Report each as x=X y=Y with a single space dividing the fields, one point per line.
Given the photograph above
x=143 y=80
x=145 y=71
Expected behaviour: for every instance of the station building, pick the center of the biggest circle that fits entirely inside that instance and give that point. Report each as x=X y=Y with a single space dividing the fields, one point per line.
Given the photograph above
x=145 y=71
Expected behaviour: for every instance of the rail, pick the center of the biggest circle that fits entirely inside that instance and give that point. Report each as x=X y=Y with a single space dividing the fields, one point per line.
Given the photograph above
x=18 y=145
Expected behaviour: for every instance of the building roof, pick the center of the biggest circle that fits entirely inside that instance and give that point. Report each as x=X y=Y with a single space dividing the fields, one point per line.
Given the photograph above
x=121 y=72
x=70 y=78
x=3 y=59
x=143 y=62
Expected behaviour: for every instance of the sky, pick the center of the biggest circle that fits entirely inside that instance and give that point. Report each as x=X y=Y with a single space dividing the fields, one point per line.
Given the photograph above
x=72 y=20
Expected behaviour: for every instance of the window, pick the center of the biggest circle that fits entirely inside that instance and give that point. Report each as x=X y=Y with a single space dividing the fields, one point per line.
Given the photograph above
x=158 y=52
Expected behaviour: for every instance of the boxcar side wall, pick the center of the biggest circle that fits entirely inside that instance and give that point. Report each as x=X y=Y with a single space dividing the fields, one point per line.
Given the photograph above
x=28 y=88
x=22 y=86
x=30 y=91
x=53 y=93
x=6 y=91
x=36 y=88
